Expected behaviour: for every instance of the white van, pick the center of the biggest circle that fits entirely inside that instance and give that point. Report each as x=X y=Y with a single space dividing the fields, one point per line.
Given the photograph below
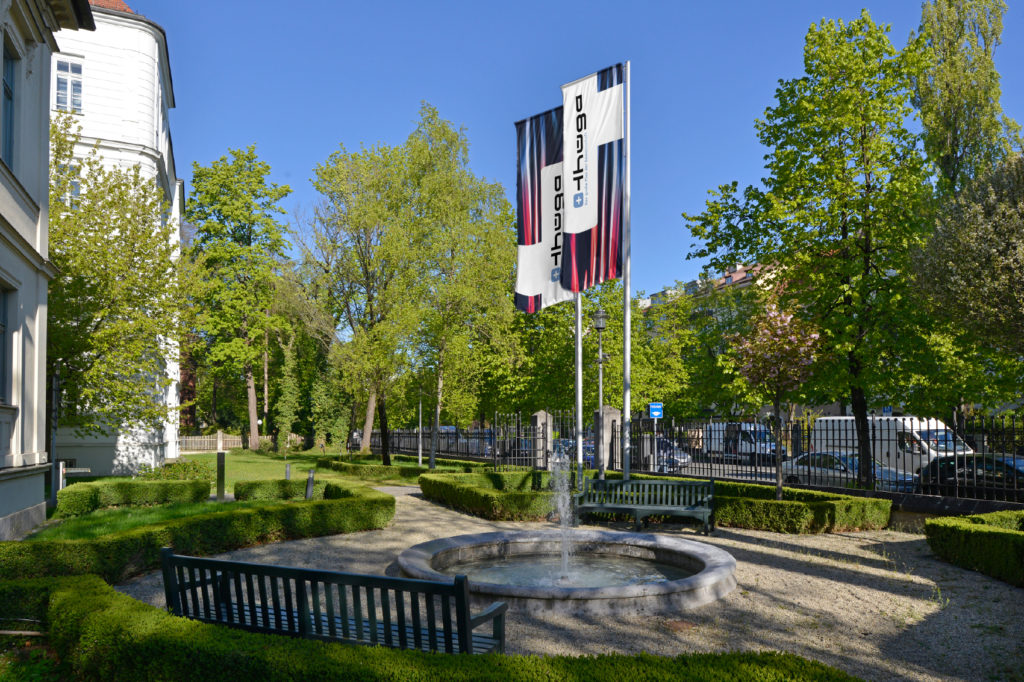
x=739 y=442
x=902 y=443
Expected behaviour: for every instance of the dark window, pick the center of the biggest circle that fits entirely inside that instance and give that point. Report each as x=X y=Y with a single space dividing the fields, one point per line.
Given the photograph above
x=7 y=109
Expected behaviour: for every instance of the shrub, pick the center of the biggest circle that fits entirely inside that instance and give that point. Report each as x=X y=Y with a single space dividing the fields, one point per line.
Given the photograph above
x=179 y=470
x=121 y=555
x=83 y=498
x=522 y=496
x=992 y=544
x=286 y=489
x=106 y=635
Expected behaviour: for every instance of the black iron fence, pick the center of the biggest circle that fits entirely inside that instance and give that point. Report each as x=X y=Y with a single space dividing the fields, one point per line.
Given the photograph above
x=975 y=459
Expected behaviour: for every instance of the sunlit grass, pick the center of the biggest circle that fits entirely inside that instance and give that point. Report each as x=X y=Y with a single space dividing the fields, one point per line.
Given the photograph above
x=104 y=521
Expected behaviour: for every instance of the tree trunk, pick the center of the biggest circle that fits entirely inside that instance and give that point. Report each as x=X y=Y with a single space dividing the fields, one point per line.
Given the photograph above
x=865 y=468
x=213 y=400
x=250 y=386
x=385 y=445
x=371 y=405
x=266 y=383
x=437 y=418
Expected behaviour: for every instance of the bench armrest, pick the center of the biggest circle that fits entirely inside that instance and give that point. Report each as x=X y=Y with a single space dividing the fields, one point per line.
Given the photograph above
x=495 y=610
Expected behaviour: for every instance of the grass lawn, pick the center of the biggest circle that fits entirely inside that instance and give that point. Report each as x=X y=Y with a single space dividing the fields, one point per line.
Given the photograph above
x=27 y=659
x=104 y=521
x=246 y=465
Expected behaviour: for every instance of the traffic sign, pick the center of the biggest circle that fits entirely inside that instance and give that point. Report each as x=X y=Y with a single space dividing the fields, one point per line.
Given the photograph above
x=887 y=411
x=655 y=410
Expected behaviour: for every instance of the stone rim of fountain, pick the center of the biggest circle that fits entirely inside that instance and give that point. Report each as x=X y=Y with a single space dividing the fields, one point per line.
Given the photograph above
x=713 y=577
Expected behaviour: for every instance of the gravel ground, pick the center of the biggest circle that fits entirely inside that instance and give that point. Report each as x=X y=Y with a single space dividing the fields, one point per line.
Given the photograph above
x=876 y=604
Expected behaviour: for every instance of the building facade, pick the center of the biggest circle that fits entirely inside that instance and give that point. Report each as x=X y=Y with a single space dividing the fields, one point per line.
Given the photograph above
x=27 y=30
x=117 y=82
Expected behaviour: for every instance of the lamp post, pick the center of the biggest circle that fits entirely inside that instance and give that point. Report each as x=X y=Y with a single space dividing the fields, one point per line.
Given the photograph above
x=600 y=323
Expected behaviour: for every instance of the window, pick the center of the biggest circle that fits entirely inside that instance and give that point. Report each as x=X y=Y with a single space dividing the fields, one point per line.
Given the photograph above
x=5 y=351
x=74 y=185
x=69 y=86
x=7 y=108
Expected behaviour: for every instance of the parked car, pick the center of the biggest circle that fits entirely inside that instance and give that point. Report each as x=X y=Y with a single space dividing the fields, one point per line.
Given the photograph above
x=839 y=470
x=986 y=477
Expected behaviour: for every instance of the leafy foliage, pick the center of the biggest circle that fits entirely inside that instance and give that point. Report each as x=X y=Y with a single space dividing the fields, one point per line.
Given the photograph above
x=115 y=303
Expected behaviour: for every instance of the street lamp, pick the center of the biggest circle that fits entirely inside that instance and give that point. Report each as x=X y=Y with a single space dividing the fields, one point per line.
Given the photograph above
x=600 y=323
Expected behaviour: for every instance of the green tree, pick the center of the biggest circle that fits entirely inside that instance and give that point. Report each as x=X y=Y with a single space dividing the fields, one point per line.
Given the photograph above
x=465 y=237
x=360 y=249
x=966 y=132
x=113 y=305
x=974 y=266
x=238 y=243
x=844 y=202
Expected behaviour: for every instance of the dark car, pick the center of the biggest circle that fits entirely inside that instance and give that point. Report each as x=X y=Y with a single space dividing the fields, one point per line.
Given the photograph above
x=984 y=477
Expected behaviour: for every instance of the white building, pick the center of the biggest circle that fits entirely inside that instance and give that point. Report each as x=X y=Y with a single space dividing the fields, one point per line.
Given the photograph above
x=117 y=81
x=27 y=30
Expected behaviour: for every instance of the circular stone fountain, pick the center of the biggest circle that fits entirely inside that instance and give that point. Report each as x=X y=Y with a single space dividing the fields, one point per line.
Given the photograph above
x=690 y=573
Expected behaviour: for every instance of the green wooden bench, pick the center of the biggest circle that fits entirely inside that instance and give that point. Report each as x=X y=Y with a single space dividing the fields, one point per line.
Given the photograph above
x=644 y=498
x=332 y=606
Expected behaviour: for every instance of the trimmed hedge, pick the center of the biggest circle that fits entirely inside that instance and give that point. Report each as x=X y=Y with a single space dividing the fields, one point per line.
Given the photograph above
x=402 y=466
x=287 y=489
x=82 y=498
x=105 y=635
x=522 y=496
x=992 y=544
x=121 y=555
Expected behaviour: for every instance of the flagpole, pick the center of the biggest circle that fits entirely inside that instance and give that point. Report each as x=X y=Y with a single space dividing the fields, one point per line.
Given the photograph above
x=579 y=388
x=627 y=321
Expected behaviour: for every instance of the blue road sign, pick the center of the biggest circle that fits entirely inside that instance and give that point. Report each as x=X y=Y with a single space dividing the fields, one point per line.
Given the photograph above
x=655 y=410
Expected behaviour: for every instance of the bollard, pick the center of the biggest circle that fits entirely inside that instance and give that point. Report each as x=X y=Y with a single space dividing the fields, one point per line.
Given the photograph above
x=309 y=485
x=287 y=471
x=220 y=476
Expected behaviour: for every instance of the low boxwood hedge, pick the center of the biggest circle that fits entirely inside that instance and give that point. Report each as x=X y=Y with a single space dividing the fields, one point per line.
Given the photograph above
x=523 y=496
x=286 y=489
x=82 y=498
x=120 y=555
x=102 y=634
x=992 y=544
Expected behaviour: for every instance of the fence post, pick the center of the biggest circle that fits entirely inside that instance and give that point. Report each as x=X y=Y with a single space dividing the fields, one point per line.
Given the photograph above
x=220 y=475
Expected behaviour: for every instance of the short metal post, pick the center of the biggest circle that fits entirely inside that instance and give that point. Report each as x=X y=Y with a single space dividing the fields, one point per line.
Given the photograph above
x=309 y=484
x=61 y=481
x=220 y=476
x=287 y=471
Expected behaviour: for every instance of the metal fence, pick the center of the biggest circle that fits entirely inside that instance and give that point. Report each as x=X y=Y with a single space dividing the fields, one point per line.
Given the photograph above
x=978 y=459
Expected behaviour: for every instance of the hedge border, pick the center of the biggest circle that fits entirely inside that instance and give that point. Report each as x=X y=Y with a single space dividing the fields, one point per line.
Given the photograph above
x=102 y=634
x=82 y=498
x=520 y=496
x=119 y=556
x=286 y=489
x=992 y=544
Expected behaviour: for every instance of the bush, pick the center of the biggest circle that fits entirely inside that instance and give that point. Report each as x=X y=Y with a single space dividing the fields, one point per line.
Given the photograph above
x=522 y=496
x=286 y=489
x=179 y=470
x=106 y=635
x=992 y=544
x=120 y=555
x=83 y=498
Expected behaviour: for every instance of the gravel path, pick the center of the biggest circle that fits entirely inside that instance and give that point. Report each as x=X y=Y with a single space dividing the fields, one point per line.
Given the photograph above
x=876 y=604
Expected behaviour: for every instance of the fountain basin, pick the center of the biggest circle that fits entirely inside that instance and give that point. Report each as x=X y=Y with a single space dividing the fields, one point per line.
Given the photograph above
x=711 y=571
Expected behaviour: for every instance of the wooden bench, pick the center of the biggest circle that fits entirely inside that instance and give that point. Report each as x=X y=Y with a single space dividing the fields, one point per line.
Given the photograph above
x=644 y=498
x=332 y=606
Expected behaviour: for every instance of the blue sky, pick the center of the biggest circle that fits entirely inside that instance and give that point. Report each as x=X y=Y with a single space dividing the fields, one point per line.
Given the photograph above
x=300 y=78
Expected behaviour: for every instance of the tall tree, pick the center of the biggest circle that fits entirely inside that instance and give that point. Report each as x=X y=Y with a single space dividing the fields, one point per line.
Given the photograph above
x=465 y=235
x=844 y=201
x=113 y=306
x=238 y=242
x=360 y=251
x=965 y=130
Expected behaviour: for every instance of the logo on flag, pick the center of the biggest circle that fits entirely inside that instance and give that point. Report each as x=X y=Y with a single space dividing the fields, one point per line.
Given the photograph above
x=593 y=141
x=540 y=204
